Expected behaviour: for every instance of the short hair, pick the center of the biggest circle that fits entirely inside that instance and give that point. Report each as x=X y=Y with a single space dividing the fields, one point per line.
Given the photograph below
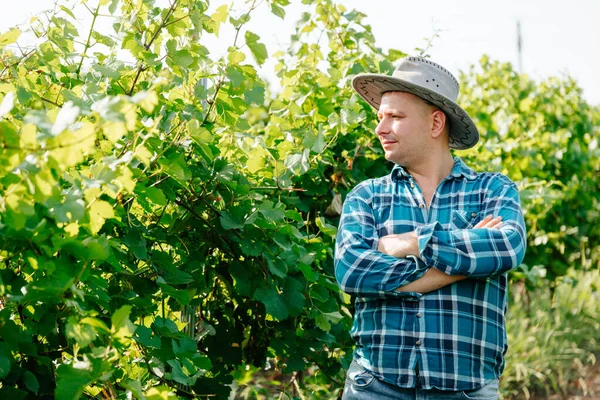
x=429 y=103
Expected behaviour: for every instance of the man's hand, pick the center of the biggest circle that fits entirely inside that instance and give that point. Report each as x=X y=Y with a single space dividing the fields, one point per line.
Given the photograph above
x=400 y=246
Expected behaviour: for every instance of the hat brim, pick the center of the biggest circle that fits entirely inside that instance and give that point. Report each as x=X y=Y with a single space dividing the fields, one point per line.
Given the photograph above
x=463 y=132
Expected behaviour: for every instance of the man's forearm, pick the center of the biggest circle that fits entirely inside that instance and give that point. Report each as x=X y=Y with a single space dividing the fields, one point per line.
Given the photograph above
x=407 y=244
x=432 y=280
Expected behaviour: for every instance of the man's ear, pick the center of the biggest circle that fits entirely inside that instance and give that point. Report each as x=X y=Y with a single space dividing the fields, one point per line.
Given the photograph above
x=438 y=123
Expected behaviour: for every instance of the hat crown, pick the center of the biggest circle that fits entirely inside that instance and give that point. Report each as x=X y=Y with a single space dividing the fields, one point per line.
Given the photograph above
x=426 y=73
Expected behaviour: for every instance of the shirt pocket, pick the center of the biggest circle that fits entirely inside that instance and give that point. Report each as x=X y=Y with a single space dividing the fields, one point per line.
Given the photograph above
x=463 y=219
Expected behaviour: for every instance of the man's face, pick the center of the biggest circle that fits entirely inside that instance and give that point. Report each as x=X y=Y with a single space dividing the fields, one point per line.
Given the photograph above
x=404 y=127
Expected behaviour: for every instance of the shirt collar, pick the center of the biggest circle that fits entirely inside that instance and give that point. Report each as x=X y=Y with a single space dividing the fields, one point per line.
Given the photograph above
x=459 y=169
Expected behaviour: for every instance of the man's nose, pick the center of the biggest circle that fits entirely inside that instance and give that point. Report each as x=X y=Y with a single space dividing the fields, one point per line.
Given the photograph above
x=382 y=127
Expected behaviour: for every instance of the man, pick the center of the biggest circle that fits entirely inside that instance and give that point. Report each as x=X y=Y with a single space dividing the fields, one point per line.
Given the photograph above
x=426 y=249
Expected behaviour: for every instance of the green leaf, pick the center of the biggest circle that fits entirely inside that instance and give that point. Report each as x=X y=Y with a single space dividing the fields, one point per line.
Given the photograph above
x=308 y=272
x=237 y=23
x=178 y=375
x=147 y=100
x=122 y=327
x=256 y=160
x=103 y=39
x=83 y=334
x=277 y=10
x=324 y=320
x=4 y=366
x=293 y=297
x=202 y=362
x=298 y=163
x=220 y=15
x=175 y=165
x=272 y=214
x=277 y=267
x=259 y=51
x=99 y=212
x=31 y=382
x=23 y=95
x=326 y=228
x=113 y=6
x=235 y=57
x=8 y=102
x=72 y=381
x=9 y=37
x=160 y=393
x=256 y=95
x=185 y=346
x=181 y=296
x=293 y=215
x=200 y=134
x=145 y=337
x=241 y=278
x=137 y=244
x=235 y=75
x=273 y=302
x=228 y=221
x=135 y=387
x=153 y=194
x=96 y=323
x=183 y=58
x=68 y=12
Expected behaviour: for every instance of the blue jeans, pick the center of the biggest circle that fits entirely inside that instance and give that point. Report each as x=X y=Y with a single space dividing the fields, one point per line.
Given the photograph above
x=361 y=385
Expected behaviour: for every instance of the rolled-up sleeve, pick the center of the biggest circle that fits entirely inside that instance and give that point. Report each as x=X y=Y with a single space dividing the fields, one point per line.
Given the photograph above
x=479 y=252
x=360 y=269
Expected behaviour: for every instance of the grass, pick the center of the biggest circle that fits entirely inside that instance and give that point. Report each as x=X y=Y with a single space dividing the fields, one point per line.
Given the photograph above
x=554 y=337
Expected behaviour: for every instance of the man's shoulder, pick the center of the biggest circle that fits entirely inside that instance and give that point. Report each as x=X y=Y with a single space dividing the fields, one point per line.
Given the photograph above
x=493 y=180
x=367 y=188
x=497 y=177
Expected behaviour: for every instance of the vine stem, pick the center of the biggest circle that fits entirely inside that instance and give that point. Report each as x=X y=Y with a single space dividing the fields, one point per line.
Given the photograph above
x=163 y=23
x=222 y=78
x=89 y=38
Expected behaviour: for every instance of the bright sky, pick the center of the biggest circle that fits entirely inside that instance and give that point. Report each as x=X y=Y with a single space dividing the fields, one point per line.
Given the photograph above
x=558 y=38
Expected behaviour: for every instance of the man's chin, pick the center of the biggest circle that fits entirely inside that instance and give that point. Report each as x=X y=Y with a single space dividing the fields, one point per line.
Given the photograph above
x=392 y=158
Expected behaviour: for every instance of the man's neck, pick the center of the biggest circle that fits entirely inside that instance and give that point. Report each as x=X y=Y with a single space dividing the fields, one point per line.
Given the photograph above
x=430 y=173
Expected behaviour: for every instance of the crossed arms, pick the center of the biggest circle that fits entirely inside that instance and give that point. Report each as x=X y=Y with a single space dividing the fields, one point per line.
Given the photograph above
x=428 y=257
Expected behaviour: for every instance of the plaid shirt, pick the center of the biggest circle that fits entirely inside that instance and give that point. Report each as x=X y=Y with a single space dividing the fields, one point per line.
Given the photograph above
x=453 y=338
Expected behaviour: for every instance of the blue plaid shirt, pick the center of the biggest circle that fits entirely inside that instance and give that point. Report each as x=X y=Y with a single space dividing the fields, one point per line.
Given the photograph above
x=453 y=338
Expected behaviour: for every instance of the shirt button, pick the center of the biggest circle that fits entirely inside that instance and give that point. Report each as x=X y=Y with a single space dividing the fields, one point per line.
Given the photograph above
x=474 y=214
x=419 y=315
x=421 y=205
x=418 y=343
x=412 y=184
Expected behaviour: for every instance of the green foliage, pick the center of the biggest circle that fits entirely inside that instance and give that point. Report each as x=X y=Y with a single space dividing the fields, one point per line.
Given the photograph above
x=545 y=137
x=167 y=225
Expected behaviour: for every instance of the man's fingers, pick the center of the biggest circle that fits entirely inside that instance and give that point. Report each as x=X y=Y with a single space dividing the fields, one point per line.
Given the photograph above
x=483 y=222
x=495 y=221
x=490 y=222
x=495 y=224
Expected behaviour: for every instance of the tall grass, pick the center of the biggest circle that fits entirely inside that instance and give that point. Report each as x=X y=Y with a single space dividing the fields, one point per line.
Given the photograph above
x=554 y=336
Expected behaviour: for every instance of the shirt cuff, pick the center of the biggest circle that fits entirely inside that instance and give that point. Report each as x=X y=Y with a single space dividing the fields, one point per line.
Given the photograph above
x=424 y=234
